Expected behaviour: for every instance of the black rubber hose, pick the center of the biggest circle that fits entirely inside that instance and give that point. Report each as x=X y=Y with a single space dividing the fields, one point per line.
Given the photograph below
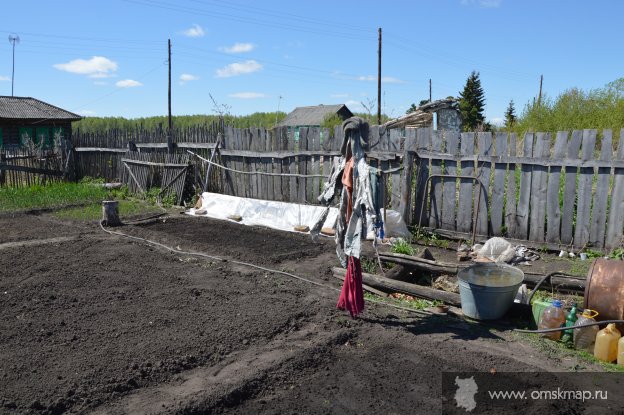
x=580 y=326
x=544 y=278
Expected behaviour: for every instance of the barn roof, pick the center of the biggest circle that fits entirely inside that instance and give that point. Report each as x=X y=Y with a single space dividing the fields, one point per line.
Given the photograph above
x=314 y=115
x=33 y=109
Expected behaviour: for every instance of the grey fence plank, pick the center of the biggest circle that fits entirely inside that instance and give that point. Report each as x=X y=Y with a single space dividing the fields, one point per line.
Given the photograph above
x=553 y=210
x=498 y=186
x=423 y=141
x=539 y=187
x=484 y=174
x=435 y=193
x=522 y=211
x=407 y=175
x=510 y=194
x=599 y=205
x=276 y=165
x=255 y=179
x=285 y=162
x=314 y=166
x=616 y=218
x=464 y=207
x=267 y=165
x=584 y=194
x=292 y=168
x=569 y=189
x=326 y=145
x=395 y=199
x=449 y=190
x=302 y=162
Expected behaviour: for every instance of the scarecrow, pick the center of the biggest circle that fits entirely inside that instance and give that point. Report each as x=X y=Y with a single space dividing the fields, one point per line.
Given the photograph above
x=357 y=185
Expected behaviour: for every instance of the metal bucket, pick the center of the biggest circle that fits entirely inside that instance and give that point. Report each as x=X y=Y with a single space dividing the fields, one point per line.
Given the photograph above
x=604 y=289
x=487 y=290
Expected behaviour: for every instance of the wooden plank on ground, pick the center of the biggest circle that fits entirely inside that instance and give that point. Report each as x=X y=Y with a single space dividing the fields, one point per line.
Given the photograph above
x=449 y=192
x=553 y=209
x=423 y=142
x=584 y=194
x=569 y=188
x=539 y=187
x=522 y=211
x=599 y=206
x=616 y=218
x=510 y=194
x=498 y=185
x=484 y=172
x=464 y=207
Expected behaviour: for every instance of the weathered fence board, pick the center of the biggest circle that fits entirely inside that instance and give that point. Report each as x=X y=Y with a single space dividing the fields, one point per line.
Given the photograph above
x=464 y=209
x=599 y=204
x=539 y=180
x=616 y=216
x=423 y=142
x=510 y=193
x=522 y=210
x=449 y=190
x=584 y=199
x=498 y=185
x=569 y=189
x=553 y=210
x=484 y=170
x=435 y=186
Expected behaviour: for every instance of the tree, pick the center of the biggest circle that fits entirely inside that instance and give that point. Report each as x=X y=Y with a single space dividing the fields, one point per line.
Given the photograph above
x=414 y=107
x=510 y=115
x=471 y=102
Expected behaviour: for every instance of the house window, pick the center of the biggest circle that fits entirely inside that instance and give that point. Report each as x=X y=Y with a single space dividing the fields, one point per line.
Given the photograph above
x=26 y=136
x=42 y=137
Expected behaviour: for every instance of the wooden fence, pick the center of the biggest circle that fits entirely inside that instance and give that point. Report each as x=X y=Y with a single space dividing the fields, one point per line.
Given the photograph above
x=555 y=191
x=560 y=190
x=24 y=168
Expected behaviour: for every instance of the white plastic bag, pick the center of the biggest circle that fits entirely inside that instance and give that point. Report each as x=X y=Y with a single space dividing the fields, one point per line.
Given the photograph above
x=497 y=249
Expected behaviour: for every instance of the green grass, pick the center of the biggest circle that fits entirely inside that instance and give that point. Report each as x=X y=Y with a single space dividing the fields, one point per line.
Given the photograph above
x=50 y=196
x=93 y=212
x=401 y=246
x=415 y=304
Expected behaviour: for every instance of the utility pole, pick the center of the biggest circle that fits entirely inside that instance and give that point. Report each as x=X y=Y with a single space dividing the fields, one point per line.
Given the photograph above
x=429 y=89
x=539 y=97
x=379 y=81
x=170 y=132
x=13 y=39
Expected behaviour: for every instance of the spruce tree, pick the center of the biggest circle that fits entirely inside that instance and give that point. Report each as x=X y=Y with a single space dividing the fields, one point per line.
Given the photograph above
x=510 y=115
x=471 y=102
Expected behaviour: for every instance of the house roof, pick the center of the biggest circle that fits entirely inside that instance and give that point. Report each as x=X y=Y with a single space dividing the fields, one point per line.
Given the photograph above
x=314 y=115
x=33 y=109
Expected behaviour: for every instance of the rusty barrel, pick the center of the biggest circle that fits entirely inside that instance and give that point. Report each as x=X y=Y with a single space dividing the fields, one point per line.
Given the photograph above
x=604 y=289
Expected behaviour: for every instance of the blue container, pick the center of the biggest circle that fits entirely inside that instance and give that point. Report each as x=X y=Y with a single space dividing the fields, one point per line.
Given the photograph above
x=487 y=290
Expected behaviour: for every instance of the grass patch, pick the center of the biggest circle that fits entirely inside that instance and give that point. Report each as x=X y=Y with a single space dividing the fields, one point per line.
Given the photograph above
x=401 y=246
x=129 y=207
x=50 y=196
x=411 y=303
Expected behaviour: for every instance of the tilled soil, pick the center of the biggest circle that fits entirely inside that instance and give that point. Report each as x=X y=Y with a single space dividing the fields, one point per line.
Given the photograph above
x=105 y=324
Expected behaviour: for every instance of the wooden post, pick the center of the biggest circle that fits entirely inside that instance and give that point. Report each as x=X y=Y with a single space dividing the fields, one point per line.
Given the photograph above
x=110 y=213
x=2 y=174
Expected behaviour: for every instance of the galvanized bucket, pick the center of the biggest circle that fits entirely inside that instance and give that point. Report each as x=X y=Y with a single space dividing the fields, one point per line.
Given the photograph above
x=487 y=290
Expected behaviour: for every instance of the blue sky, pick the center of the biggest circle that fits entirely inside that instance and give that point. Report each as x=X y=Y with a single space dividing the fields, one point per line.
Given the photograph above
x=108 y=58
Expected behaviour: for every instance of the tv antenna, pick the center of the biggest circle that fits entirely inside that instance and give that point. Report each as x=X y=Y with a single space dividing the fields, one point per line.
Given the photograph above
x=14 y=39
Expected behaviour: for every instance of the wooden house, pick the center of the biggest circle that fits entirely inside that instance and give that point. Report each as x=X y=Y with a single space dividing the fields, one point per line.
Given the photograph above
x=25 y=118
x=314 y=116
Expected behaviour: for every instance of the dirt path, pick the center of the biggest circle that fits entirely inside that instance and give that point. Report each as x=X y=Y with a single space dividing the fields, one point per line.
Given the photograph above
x=99 y=323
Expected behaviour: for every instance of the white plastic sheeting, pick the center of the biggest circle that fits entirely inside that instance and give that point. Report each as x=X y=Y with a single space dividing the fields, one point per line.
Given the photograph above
x=279 y=215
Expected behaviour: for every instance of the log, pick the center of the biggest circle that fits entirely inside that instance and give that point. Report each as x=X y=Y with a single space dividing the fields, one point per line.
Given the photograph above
x=110 y=213
x=398 y=273
x=392 y=286
x=341 y=277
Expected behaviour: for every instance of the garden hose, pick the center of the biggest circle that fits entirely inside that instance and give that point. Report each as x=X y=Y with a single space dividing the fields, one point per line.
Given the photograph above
x=580 y=326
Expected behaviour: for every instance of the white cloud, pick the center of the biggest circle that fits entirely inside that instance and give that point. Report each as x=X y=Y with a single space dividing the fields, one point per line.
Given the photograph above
x=339 y=96
x=238 y=48
x=4 y=78
x=194 y=31
x=239 y=68
x=96 y=67
x=187 y=77
x=384 y=79
x=86 y=113
x=497 y=121
x=128 y=83
x=247 y=95
x=486 y=4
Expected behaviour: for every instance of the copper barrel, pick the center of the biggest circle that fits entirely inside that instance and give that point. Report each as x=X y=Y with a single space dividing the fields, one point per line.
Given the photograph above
x=604 y=289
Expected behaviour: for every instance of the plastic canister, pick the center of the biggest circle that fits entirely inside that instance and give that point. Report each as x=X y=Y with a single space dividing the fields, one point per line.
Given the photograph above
x=606 y=347
x=585 y=338
x=620 y=358
x=553 y=317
